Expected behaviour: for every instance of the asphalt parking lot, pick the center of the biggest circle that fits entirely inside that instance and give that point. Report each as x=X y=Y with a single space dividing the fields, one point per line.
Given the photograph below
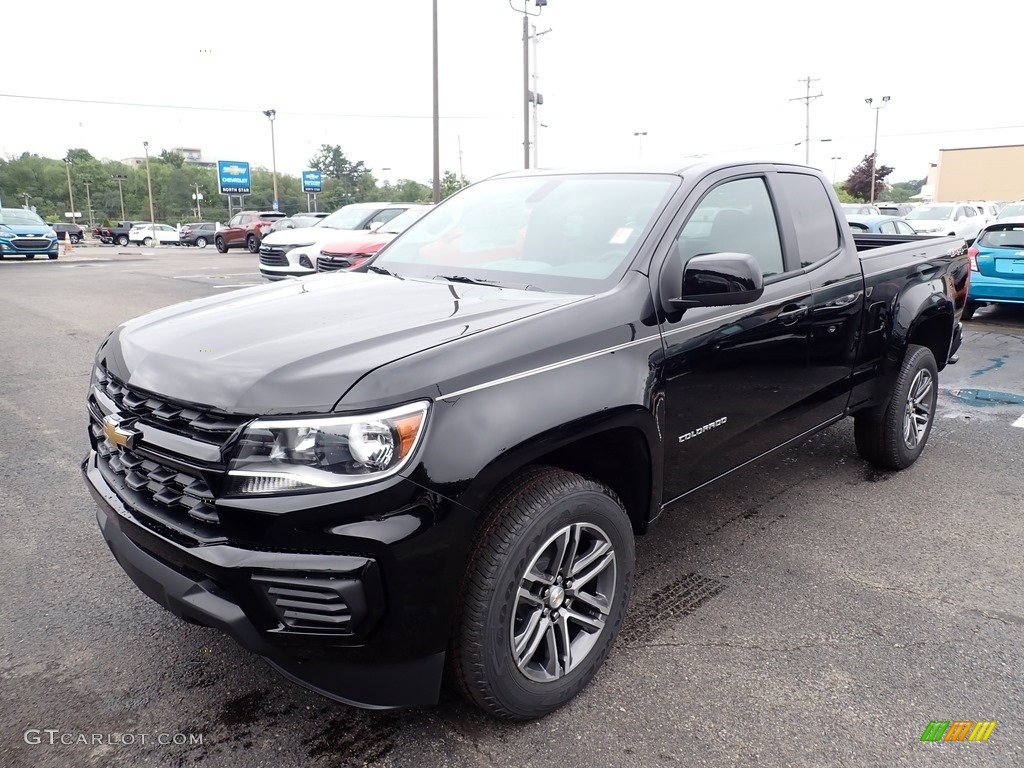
x=808 y=611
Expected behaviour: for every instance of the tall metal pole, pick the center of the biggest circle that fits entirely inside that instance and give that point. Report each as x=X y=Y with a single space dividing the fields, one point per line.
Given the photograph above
x=149 y=184
x=437 y=119
x=536 y=135
x=640 y=150
x=71 y=195
x=874 y=150
x=120 y=192
x=271 y=114
x=199 y=207
x=835 y=167
x=807 y=117
x=526 y=90
x=26 y=195
x=88 y=202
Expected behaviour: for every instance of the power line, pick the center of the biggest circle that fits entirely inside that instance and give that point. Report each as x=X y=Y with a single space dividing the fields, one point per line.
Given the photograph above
x=195 y=108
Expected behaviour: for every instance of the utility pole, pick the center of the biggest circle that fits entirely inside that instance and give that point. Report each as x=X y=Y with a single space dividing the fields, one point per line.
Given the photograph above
x=119 y=178
x=536 y=98
x=460 y=158
x=436 y=192
x=149 y=183
x=874 y=151
x=199 y=197
x=835 y=167
x=807 y=106
x=88 y=201
x=26 y=195
x=71 y=195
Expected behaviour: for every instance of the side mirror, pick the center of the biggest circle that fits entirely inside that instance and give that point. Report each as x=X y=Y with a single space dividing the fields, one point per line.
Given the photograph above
x=719 y=280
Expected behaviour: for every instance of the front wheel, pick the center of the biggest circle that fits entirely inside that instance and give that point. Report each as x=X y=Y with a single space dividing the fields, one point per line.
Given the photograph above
x=222 y=247
x=147 y=242
x=252 y=244
x=53 y=256
x=544 y=594
x=201 y=242
x=122 y=240
x=896 y=439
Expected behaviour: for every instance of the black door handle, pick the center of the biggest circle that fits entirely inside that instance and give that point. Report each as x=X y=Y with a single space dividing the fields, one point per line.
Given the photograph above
x=790 y=314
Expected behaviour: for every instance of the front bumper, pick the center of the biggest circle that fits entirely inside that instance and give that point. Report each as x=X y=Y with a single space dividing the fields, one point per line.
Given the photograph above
x=29 y=246
x=995 y=289
x=254 y=596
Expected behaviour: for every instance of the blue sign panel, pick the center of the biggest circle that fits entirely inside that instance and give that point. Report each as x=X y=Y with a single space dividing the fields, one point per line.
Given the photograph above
x=311 y=181
x=233 y=177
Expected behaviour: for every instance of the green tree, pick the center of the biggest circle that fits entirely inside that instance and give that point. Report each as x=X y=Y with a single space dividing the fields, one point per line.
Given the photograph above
x=450 y=184
x=859 y=182
x=902 y=191
x=173 y=159
x=843 y=195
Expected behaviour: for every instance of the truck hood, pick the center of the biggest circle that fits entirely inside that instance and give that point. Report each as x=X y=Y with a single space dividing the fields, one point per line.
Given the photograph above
x=297 y=347
x=309 y=235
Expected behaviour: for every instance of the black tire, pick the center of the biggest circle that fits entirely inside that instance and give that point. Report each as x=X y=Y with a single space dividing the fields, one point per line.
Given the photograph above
x=201 y=242
x=75 y=239
x=147 y=242
x=30 y=256
x=895 y=439
x=53 y=256
x=122 y=240
x=970 y=308
x=252 y=244
x=222 y=247
x=527 y=518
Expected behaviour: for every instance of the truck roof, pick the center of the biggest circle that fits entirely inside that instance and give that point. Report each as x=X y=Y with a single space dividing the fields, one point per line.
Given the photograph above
x=700 y=165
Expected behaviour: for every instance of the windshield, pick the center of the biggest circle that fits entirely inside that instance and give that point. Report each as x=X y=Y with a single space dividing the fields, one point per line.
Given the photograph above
x=297 y=222
x=930 y=213
x=402 y=221
x=1004 y=236
x=570 y=233
x=1011 y=211
x=349 y=217
x=20 y=217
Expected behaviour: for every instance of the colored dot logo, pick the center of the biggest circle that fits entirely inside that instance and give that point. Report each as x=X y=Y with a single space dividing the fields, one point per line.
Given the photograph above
x=206 y=50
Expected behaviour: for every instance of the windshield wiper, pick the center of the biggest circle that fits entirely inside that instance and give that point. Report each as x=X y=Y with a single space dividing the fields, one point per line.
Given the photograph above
x=477 y=281
x=379 y=270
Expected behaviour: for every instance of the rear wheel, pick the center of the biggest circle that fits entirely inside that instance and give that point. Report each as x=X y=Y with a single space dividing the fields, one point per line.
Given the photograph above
x=75 y=239
x=895 y=439
x=252 y=244
x=122 y=240
x=201 y=242
x=222 y=247
x=544 y=594
x=147 y=242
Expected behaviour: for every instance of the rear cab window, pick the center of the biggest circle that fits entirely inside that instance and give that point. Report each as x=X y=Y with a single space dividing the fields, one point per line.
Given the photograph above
x=814 y=219
x=1006 y=236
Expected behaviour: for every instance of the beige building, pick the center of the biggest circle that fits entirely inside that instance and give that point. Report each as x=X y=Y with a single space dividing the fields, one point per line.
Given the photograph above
x=979 y=173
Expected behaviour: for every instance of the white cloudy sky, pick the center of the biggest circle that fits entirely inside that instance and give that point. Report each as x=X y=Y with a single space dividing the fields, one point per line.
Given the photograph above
x=699 y=77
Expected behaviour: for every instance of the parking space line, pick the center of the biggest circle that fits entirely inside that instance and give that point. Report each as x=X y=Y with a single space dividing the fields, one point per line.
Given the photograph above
x=1019 y=422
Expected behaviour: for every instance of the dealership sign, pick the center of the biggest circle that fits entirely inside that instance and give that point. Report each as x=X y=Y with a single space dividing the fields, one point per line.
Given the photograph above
x=233 y=177
x=311 y=181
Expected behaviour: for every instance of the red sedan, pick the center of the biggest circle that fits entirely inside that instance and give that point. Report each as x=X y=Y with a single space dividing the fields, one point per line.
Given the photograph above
x=355 y=250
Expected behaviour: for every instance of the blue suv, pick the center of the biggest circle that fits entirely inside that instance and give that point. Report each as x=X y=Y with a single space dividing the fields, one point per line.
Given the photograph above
x=23 y=233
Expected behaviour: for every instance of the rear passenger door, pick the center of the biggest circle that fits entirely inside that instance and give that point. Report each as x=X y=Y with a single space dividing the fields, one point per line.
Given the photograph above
x=837 y=292
x=735 y=377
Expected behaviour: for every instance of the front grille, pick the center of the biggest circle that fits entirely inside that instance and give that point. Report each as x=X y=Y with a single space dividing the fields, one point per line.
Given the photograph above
x=314 y=603
x=332 y=263
x=203 y=425
x=168 y=489
x=275 y=259
x=31 y=243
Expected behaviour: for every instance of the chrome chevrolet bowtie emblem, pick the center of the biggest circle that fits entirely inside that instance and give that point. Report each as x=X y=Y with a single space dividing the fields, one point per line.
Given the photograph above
x=120 y=433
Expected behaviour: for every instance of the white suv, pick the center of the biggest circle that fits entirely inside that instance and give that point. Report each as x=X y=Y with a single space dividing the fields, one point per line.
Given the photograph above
x=293 y=252
x=959 y=219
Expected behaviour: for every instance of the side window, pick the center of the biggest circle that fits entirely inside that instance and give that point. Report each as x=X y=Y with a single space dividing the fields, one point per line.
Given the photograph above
x=904 y=229
x=387 y=215
x=734 y=217
x=887 y=228
x=236 y=221
x=817 y=233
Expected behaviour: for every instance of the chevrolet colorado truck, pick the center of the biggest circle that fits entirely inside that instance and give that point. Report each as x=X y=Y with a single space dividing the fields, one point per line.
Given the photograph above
x=435 y=466
x=118 y=233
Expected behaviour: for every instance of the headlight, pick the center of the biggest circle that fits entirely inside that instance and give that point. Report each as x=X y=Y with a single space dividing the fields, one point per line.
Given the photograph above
x=50 y=233
x=332 y=452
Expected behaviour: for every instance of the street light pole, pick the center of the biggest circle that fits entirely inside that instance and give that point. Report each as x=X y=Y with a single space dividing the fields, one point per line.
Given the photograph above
x=640 y=136
x=436 y=190
x=271 y=114
x=874 y=151
x=199 y=206
x=537 y=99
x=88 y=202
x=149 y=184
x=835 y=167
x=26 y=195
x=120 y=177
x=526 y=71
x=71 y=195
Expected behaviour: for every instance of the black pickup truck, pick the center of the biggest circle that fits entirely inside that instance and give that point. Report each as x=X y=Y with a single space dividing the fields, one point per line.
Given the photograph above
x=439 y=463
x=117 y=234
